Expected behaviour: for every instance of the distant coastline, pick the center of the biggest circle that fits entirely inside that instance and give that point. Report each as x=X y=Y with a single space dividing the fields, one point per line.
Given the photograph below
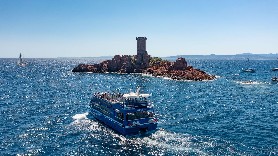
x=242 y=56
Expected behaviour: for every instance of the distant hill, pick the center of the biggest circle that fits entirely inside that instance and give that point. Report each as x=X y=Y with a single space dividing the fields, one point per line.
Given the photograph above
x=99 y=57
x=243 y=56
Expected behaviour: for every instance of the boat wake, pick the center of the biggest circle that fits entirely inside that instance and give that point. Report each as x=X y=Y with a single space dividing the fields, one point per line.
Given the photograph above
x=164 y=141
x=79 y=117
x=82 y=122
x=249 y=82
x=173 y=142
x=186 y=144
x=161 y=142
x=168 y=143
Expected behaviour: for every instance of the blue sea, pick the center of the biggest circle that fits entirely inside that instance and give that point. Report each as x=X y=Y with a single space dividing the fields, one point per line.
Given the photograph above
x=45 y=110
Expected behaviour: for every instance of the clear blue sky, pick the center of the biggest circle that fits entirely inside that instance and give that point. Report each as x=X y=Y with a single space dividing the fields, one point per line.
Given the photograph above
x=87 y=28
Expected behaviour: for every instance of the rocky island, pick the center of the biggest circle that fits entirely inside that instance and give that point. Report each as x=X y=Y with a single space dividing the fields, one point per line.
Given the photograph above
x=144 y=63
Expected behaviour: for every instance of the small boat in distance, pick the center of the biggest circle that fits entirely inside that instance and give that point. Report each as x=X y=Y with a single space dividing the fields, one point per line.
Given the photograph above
x=250 y=70
x=127 y=114
x=274 y=79
x=275 y=69
x=20 y=61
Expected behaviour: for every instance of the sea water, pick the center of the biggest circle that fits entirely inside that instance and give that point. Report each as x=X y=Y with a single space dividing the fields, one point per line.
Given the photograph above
x=45 y=110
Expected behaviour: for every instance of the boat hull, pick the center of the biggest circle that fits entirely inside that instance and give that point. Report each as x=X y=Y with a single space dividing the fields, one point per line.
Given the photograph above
x=248 y=70
x=121 y=128
x=275 y=69
x=274 y=79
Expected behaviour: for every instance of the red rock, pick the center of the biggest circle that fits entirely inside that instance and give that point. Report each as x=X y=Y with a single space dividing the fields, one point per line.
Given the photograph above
x=177 y=70
x=180 y=64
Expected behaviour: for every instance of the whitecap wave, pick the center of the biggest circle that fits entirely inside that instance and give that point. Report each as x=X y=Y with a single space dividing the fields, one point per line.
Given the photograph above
x=250 y=82
x=148 y=75
x=82 y=122
x=167 y=78
x=80 y=116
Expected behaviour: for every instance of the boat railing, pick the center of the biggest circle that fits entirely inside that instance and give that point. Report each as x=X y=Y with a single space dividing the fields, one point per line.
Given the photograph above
x=142 y=115
x=109 y=97
x=136 y=102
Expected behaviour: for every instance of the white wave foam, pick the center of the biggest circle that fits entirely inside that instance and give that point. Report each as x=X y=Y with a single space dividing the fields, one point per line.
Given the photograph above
x=80 y=116
x=167 y=141
x=148 y=75
x=249 y=82
x=82 y=122
x=173 y=141
x=167 y=78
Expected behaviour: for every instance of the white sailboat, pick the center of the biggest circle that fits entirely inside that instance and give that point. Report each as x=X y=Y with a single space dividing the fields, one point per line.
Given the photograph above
x=275 y=69
x=20 y=61
x=275 y=79
x=250 y=70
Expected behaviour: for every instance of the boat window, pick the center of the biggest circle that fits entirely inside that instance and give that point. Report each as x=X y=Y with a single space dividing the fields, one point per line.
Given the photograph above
x=130 y=116
x=101 y=108
x=120 y=116
x=138 y=115
x=142 y=99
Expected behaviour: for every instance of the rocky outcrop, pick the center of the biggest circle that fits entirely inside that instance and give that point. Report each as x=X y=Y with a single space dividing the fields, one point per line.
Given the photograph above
x=121 y=64
x=180 y=64
x=188 y=74
x=177 y=70
x=86 y=68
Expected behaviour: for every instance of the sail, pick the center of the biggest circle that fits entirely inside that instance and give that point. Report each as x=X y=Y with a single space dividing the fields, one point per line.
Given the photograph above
x=20 y=59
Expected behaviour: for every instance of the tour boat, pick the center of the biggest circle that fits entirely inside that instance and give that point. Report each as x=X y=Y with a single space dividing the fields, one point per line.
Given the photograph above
x=127 y=114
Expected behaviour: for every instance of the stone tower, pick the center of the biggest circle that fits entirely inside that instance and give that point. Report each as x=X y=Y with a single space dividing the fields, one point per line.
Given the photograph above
x=142 y=57
x=141 y=45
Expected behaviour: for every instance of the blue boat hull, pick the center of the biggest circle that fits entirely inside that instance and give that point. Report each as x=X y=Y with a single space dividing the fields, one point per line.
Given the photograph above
x=120 y=128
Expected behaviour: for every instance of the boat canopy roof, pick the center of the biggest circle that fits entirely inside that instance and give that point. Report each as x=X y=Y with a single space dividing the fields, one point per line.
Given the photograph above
x=133 y=95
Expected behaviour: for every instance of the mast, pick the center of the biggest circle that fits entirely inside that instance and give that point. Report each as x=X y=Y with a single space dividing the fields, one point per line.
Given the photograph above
x=20 y=59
